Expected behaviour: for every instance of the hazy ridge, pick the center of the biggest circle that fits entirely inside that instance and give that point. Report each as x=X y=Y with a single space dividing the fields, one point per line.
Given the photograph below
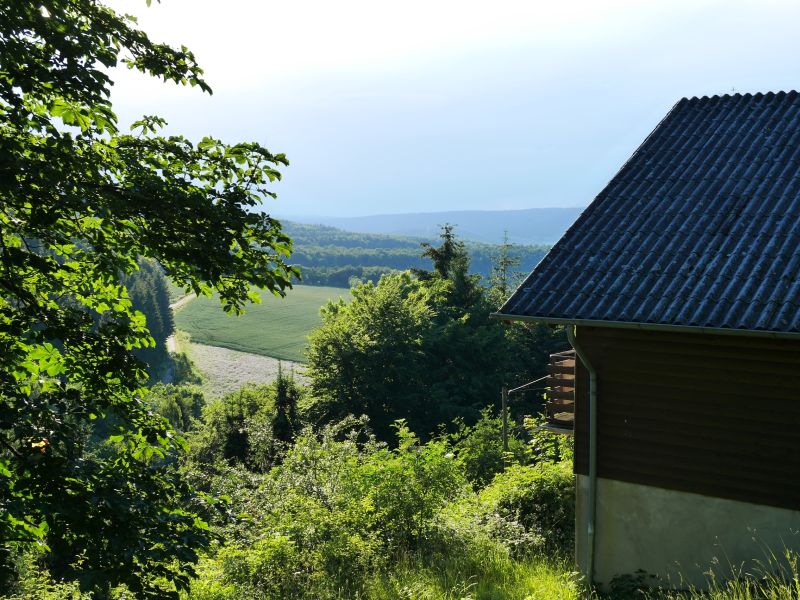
x=527 y=226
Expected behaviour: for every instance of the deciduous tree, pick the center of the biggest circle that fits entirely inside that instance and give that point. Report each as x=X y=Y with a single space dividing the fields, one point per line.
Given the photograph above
x=80 y=202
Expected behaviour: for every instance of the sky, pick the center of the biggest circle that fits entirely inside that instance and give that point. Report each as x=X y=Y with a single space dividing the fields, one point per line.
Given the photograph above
x=435 y=105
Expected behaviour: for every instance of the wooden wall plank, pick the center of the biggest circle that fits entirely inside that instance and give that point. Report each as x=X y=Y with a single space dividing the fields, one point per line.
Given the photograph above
x=714 y=415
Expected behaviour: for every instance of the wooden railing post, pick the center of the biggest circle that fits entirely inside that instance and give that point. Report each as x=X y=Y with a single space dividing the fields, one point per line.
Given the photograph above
x=504 y=403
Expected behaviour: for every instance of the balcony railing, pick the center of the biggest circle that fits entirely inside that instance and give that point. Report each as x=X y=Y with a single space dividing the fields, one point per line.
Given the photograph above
x=559 y=389
x=560 y=395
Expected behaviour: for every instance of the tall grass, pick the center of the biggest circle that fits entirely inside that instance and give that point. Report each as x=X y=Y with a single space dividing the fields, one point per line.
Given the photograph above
x=775 y=578
x=494 y=577
x=498 y=577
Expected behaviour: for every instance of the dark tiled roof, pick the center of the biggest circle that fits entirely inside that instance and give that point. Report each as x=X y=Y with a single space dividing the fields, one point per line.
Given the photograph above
x=700 y=228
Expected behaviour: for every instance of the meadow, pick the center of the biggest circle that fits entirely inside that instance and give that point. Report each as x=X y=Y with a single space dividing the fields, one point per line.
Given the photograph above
x=276 y=328
x=223 y=371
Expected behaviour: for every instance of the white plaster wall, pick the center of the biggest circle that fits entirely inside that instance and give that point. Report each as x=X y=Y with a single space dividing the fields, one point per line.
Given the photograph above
x=676 y=535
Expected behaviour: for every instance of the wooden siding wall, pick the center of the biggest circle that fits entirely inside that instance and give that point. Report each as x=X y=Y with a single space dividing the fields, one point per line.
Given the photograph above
x=714 y=415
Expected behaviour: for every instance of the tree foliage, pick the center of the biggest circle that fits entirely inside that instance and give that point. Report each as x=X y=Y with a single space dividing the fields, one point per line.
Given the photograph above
x=421 y=347
x=369 y=355
x=148 y=290
x=503 y=276
x=180 y=405
x=451 y=263
x=80 y=202
x=330 y=256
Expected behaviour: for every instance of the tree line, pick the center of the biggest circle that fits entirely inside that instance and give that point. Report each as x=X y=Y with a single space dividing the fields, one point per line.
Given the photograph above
x=330 y=256
x=148 y=290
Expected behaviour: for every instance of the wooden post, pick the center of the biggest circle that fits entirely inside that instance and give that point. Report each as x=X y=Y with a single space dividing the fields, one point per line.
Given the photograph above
x=505 y=418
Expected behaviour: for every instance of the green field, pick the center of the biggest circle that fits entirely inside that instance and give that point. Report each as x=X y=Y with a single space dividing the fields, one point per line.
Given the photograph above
x=277 y=327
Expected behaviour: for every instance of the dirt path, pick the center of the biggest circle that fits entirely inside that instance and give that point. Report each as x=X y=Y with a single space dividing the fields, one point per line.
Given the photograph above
x=172 y=345
x=180 y=303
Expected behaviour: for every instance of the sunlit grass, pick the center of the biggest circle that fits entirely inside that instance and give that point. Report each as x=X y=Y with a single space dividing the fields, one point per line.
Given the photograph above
x=494 y=577
x=775 y=578
x=277 y=327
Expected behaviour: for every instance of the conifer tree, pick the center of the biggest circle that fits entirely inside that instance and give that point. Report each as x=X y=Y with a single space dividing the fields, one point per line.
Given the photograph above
x=285 y=423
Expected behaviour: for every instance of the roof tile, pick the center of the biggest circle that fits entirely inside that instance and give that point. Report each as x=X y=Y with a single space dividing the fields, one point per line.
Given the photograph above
x=700 y=227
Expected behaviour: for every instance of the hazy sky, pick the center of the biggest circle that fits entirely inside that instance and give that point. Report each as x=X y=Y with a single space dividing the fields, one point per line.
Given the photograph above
x=442 y=105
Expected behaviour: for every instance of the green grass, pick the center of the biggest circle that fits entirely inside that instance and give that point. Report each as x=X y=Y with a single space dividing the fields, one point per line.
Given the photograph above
x=175 y=292
x=278 y=327
x=495 y=577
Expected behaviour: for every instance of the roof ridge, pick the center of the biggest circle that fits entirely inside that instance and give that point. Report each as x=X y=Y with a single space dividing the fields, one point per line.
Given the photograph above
x=740 y=95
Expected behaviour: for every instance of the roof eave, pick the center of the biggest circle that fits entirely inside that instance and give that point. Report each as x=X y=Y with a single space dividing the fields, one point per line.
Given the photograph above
x=649 y=326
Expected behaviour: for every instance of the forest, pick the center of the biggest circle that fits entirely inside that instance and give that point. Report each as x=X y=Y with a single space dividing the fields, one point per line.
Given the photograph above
x=330 y=256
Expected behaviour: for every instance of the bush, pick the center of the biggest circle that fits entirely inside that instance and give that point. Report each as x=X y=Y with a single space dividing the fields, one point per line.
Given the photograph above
x=480 y=448
x=533 y=507
x=405 y=488
x=546 y=446
x=32 y=581
x=270 y=569
x=307 y=502
x=336 y=511
x=180 y=405
x=238 y=430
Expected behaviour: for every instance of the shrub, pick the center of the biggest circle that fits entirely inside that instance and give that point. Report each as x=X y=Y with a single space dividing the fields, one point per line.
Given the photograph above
x=546 y=446
x=338 y=509
x=404 y=489
x=269 y=569
x=480 y=448
x=533 y=507
x=238 y=430
x=181 y=405
x=308 y=500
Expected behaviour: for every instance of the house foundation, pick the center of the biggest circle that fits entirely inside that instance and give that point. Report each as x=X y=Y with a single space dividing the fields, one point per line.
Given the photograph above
x=680 y=537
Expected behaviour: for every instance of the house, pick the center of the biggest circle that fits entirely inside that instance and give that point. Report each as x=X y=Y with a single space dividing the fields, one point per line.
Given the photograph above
x=680 y=289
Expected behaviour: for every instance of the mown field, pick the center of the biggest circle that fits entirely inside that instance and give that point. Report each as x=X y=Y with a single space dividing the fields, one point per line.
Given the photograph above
x=224 y=371
x=277 y=327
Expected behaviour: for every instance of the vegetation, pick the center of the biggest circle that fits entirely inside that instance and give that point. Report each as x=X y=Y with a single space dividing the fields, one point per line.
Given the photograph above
x=383 y=478
x=276 y=328
x=421 y=347
x=80 y=203
x=180 y=405
x=149 y=292
x=333 y=257
x=339 y=514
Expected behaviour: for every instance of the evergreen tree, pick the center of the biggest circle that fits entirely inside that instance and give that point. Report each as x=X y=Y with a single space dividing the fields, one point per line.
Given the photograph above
x=451 y=263
x=503 y=279
x=285 y=423
x=149 y=293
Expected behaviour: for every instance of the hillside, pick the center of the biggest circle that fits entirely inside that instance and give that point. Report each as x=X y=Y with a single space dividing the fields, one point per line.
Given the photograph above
x=331 y=256
x=528 y=226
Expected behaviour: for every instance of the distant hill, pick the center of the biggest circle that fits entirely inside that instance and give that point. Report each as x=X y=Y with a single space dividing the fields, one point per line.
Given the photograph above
x=331 y=256
x=529 y=226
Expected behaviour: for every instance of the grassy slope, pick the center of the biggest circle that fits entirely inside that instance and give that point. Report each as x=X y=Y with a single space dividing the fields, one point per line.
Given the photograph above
x=278 y=327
